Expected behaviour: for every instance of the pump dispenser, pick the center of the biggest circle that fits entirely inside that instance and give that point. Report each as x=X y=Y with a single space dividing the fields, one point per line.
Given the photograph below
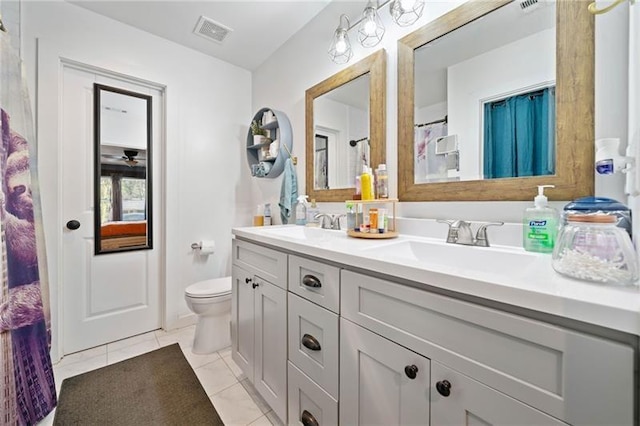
x=301 y=210
x=540 y=224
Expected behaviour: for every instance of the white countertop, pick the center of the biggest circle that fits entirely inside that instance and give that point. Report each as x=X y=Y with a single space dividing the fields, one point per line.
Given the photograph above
x=501 y=274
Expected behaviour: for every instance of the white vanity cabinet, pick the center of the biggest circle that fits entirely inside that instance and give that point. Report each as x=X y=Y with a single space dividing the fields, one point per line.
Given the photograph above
x=354 y=348
x=381 y=382
x=459 y=400
x=314 y=290
x=577 y=378
x=259 y=320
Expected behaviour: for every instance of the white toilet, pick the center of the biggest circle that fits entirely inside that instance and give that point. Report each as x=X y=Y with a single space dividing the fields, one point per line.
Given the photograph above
x=210 y=300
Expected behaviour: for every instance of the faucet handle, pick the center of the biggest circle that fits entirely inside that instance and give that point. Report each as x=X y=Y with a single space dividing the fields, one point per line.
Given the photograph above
x=335 y=221
x=324 y=219
x=482 y=239
x=452 y=235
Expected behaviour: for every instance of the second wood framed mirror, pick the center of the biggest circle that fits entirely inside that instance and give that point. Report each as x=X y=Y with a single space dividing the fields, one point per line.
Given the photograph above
x=483 y=65
x=345 y=125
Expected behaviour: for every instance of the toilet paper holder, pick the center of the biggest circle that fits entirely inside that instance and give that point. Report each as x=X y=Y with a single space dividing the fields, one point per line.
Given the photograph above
x=204 y=247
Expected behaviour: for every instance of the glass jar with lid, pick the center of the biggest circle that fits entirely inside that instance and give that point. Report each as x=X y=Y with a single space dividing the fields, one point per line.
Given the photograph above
x=591 y=247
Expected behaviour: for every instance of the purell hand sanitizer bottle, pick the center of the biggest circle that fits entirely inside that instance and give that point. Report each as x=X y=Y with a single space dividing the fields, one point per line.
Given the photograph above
x=540 y=224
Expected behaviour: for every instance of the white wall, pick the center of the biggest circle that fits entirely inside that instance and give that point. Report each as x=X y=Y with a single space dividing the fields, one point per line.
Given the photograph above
x=208 y=104
x=495 y=74
x=430 y=113
x=349 y=123
x=302 y=62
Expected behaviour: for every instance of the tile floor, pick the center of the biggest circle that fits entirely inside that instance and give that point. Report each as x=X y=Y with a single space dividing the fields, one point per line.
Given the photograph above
x=234 y=397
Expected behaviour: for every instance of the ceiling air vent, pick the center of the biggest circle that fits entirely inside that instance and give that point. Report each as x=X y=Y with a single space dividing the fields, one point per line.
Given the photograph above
x=529 y=5
x=211 y=30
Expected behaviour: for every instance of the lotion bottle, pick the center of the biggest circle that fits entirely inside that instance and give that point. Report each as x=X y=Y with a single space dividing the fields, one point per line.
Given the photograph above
x=540 y=224
x=366 y=184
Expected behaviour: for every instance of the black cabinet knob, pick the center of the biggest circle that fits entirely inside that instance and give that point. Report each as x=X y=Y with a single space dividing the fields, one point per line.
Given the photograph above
x=247 y=280
x=73 y=225
x=310 y=342
x=311 y=281
x=254 y=285
x=411 y=371
x=444 y=387
x=307 y=419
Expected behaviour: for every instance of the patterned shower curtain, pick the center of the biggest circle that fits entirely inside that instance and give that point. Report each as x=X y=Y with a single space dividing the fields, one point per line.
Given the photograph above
x=27 y=391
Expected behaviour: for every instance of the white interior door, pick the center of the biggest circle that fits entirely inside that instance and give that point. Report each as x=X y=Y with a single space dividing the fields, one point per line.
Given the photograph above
x=110 y=296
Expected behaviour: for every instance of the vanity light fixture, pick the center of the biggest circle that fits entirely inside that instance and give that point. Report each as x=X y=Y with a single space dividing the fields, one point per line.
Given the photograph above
x=371 y=29
x=340 y=50
x=370 y=26
x=406 y=12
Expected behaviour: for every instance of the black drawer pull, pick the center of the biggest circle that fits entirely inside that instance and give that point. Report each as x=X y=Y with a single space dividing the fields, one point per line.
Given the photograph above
x=444 y=387
x=310 y=342
x=311 y=281
x=411 y=371
x=307 y=419
x=247 y=280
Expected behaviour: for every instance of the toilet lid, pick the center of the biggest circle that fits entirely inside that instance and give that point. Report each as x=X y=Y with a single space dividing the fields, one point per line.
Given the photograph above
x=210 y=288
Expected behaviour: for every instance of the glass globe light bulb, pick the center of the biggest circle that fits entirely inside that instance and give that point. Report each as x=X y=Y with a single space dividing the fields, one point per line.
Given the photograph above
x=370 y=27
x=407 y=4
x=341 y=45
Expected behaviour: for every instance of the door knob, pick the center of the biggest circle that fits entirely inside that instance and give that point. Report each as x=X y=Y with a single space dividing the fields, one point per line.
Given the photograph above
x=444 y=387
x=411 y=371
x=73 y=224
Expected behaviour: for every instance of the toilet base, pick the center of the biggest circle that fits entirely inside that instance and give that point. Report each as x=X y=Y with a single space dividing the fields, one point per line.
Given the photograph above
x=212 y=334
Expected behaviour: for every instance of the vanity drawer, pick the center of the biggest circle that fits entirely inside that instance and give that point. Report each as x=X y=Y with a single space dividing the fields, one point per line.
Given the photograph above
x=308 y=399
x=315 y=281
x=579 y=378
x=268 y=264
x=313 y=342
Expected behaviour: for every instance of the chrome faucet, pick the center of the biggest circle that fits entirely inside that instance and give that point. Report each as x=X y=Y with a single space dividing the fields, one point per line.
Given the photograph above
x=460 y=232
x=328 y=221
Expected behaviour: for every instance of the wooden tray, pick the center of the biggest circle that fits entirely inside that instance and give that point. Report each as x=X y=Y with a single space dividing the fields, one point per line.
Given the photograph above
x=358 y=234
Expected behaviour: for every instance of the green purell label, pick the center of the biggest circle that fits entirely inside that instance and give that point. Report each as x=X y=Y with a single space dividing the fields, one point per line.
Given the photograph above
x=537 y=237
x=539 y=232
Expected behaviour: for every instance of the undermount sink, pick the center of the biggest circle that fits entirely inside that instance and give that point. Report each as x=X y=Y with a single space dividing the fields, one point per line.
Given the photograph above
x=485 y=259
x=305 y=233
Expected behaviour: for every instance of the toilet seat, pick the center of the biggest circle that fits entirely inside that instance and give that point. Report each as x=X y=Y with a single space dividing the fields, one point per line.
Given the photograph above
x=215 y=287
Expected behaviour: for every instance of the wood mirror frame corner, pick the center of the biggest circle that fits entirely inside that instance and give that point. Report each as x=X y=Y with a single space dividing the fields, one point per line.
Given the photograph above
x=575 y=68
x=376 y=66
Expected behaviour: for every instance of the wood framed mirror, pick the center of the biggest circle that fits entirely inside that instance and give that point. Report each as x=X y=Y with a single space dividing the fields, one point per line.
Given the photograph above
x=334 y=149
x=122 y=170
x=572 y=155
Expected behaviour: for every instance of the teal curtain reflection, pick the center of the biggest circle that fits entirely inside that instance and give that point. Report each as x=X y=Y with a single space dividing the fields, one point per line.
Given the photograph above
x=519 y=135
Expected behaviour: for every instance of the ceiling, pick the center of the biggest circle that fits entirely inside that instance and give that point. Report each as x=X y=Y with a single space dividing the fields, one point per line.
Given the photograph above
x=258 y=27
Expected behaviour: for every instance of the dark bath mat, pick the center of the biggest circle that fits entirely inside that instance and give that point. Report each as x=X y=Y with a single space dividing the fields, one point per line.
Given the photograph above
x=158 y=388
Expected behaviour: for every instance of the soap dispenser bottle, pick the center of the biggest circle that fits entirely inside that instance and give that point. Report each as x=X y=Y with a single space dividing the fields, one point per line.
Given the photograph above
x=301 y=210
x=312 y=212
x=267 y=214
x=540 y=224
